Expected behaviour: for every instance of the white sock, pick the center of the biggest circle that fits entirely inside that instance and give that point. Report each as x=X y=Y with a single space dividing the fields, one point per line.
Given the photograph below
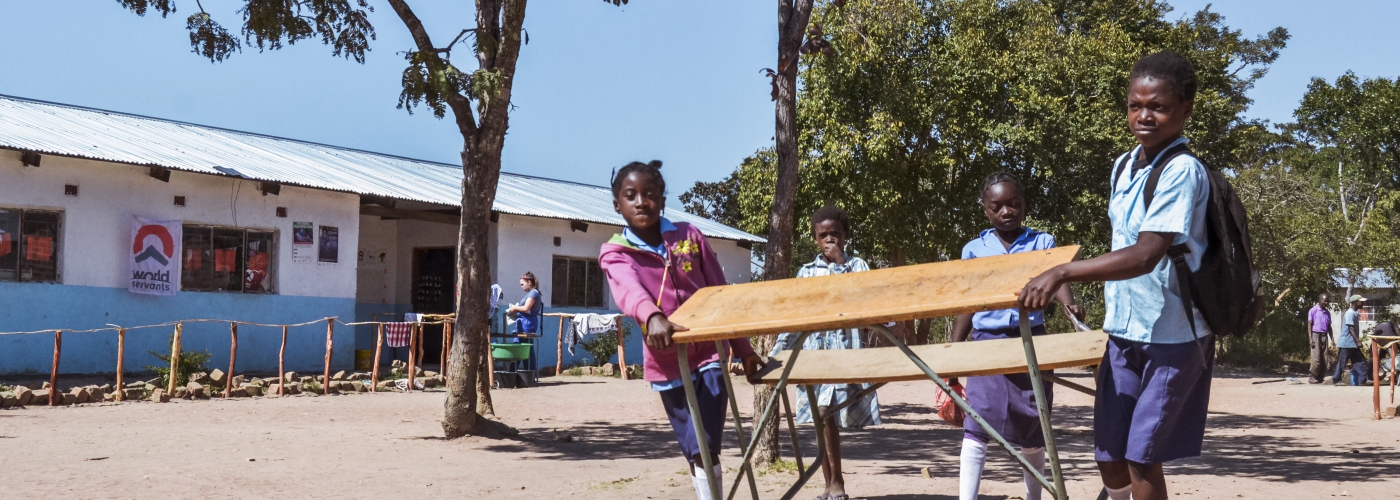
x=701 y=480
x=974 y=458
x=1124 y=493
x=1036 y=457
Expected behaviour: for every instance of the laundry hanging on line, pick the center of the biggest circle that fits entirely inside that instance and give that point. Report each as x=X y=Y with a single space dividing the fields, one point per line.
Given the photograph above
x=396 y=334
x=586 y=324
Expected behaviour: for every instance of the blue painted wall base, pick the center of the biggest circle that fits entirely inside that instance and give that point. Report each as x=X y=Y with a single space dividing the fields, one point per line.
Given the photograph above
x=39 y=306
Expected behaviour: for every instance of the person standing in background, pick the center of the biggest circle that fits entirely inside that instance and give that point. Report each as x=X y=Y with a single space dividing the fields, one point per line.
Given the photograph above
x=1349 y=344
x=1319 y=337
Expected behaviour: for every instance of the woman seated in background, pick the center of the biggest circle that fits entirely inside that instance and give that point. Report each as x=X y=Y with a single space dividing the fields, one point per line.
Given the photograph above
x=527 y=312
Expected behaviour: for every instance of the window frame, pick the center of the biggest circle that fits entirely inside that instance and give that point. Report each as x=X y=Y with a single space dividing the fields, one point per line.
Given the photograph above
x=240 y=259
x=563 y=290
x=20 y=247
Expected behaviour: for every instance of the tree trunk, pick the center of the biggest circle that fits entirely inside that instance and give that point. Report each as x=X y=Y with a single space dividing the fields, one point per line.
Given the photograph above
x=498 y=35
x=792 y=26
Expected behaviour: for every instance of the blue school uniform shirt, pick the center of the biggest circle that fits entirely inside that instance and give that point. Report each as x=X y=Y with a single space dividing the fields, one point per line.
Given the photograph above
x=988 y=244
x=660 y=249
x=1148 y=308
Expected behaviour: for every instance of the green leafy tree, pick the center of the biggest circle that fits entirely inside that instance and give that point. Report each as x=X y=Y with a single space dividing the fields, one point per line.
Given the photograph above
x=1347 y=141
x=479 y=99
x=925 y=98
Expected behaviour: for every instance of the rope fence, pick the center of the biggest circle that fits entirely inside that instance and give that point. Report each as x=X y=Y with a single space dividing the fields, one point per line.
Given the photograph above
x=415 y=338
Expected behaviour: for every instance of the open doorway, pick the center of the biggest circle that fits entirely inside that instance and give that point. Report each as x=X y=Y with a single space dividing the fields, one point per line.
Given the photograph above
x=434 y=286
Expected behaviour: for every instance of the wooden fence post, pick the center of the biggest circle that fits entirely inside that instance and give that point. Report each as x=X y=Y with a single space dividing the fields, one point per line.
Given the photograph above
x=175 y=359
x=281 y=366
x=378 y=346
x=326 y=377
x=448 y=329
x=1376 y=376
x=622 y=348
x=559 y=349
x=412 y=354
x=54 y=396
x=121 y=354
x=442 y=351
x=232 y=355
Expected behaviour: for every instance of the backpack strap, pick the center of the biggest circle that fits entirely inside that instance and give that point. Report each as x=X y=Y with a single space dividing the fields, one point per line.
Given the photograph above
x=1177 y=253
x=1150 y=188
x=1118 y=171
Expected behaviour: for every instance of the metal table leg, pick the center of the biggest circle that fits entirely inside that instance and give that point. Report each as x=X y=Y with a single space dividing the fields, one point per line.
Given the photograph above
x=1043 y=407
x=792 y=429
x=1015 y=453
x=738 y=422
x=1057 y=380
x=769 y=407
x=818 y=421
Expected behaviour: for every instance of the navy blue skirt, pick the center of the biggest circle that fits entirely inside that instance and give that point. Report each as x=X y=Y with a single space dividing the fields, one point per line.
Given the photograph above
x=1006 y=402
x=1152 y=400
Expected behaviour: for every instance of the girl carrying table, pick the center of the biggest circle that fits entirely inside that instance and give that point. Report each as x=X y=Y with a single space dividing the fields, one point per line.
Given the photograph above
x=1007 y=402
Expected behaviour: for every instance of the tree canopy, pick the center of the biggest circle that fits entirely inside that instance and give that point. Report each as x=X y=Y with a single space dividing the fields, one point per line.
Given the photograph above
x=928 y=97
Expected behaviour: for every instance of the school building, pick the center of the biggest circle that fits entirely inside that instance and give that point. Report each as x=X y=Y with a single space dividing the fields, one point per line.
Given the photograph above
x=116 y=219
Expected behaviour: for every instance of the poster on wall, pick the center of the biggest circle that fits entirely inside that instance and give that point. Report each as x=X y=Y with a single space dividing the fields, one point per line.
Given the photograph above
x=153 y=265
x=329 y=249
x=303 y=241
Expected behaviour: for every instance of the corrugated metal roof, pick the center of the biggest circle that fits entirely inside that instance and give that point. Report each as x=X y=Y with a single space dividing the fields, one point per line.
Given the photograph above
x=65 y=130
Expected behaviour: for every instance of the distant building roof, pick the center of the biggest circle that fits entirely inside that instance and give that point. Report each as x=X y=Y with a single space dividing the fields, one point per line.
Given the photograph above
x=1367 y=278
x=65 y=130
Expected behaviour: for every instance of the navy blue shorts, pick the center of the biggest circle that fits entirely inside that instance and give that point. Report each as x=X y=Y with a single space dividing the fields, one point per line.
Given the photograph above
x=1006 y=402
x=712 y=396
x=1152 y=400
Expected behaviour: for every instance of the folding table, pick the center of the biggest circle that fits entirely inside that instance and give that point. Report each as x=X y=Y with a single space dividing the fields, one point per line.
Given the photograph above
x=870 y=299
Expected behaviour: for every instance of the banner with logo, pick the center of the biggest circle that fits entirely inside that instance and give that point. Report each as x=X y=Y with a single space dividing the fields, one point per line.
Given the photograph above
x=155 y=247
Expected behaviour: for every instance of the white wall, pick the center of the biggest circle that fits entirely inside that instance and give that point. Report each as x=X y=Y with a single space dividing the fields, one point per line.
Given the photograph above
x=377 y=278
x=527 y=244
x=95 y=242
x=737 y=261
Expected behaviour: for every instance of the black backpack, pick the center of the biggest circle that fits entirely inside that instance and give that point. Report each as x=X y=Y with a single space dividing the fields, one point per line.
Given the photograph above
x=1228 y=294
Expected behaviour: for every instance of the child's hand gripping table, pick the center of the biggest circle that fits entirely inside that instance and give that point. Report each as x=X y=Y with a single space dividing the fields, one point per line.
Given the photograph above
x=869 y=300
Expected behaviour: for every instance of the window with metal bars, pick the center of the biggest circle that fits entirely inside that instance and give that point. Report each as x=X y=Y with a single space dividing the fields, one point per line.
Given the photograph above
x=29 y=244
x=223 y=259
x=578 y=282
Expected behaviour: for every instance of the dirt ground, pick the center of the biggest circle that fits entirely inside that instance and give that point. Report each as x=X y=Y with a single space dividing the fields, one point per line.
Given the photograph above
x=1267 y=438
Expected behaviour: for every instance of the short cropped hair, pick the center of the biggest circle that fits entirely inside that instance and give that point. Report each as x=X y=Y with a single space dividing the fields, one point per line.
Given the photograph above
x=1170 y=67
x=829 y=212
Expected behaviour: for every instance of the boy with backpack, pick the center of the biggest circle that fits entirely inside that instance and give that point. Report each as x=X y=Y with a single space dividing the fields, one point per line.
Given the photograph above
x=1178 y=276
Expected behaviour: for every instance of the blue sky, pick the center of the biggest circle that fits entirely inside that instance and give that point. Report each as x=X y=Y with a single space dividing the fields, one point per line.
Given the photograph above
x=598 y=85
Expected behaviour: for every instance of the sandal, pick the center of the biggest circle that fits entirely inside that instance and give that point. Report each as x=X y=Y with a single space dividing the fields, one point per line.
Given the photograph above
x=841 y=496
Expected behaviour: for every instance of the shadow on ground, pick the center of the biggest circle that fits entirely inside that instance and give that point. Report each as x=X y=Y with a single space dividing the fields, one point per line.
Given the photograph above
x=913 y=437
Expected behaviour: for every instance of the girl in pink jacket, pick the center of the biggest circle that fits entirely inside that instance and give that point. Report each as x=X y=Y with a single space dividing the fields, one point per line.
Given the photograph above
x=652 y=268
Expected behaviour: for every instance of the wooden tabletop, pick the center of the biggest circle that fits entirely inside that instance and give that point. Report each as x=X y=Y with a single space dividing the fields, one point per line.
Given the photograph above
x=961 y=359
x=862 y=299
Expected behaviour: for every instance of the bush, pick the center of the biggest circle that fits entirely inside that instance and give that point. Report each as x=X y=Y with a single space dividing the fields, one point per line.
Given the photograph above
x=603 y=347
x=1278 y=339
x=190 y=363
